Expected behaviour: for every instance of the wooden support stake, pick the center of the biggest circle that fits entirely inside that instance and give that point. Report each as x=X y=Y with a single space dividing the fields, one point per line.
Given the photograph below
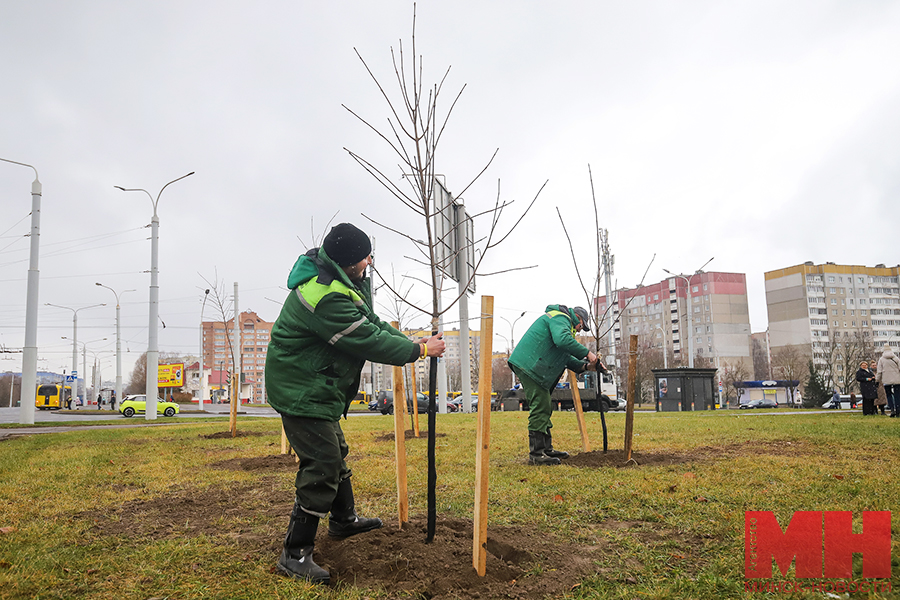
x=285 y=447
x=235 y=395
x=579 y=412
x=483 y=437
x=415 y=395
x=400 y=442
x=629 y=408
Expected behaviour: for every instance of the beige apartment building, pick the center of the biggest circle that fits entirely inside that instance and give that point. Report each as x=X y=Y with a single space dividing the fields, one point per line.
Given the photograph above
x=253 y=343
x=816 y=306
x=712 y=310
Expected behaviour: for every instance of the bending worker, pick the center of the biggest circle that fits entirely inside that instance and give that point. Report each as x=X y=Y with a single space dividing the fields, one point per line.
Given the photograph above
x=326 y=331
x=547 y=349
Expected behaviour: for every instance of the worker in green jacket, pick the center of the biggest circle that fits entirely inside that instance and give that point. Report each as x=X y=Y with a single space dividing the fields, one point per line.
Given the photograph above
x=546 y=350
x=326 y=331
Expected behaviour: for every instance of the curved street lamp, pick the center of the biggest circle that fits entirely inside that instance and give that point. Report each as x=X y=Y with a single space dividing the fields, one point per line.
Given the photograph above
x=690 y=310
x=118 y=340
x=512 y=338
x=84 y=352
x=75 y=347
x=153 y=329
x=201 y=392
x=29 y=350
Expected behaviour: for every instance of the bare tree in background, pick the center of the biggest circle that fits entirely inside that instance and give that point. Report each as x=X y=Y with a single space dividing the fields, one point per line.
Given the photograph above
x=591 y=289
x=760 y=360
x=732 y=373
x=790 y=363
x=842 y=357
x=223 y=304
x=413 y=133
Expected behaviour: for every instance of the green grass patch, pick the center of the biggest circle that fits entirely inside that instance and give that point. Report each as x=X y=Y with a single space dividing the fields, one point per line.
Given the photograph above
x=672 y=530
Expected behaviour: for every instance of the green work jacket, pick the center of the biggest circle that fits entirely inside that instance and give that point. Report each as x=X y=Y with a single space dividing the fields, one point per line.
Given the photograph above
x=549 y=347
x=322 y=338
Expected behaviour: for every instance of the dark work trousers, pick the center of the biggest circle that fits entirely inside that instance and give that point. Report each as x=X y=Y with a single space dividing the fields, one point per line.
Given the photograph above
x=540 y=406
x=321 y=448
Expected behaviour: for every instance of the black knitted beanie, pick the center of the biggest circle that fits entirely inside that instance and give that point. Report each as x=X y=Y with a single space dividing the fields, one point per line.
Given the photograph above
x=347 y=244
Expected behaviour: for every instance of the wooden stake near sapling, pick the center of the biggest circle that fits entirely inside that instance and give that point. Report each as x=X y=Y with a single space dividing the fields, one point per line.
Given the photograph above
x=415 y=396
x=400 y=442
x=579 y=412
x=629 y=409
x=483 y=438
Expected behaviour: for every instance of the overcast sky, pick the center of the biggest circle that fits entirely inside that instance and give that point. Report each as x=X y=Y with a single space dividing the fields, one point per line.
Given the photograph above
x=762 y=133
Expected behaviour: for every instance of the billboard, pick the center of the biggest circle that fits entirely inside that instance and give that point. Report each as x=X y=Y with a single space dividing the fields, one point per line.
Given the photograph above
x=171 y=375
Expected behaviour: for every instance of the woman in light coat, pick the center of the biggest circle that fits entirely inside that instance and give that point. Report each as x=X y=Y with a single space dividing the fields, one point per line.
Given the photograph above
x=889 y=376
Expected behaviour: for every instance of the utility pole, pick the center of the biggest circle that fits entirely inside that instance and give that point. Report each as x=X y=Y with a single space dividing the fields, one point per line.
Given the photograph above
x=462 y=274
x=372 y=292
x=612 y=299
x=236 y=344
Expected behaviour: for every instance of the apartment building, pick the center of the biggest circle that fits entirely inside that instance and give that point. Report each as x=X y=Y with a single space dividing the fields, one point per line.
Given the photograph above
x=253 y=344
x=828 y=307
x=707 y=310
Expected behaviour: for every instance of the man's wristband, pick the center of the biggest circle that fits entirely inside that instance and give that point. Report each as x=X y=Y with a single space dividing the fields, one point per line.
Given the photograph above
x=424 y=350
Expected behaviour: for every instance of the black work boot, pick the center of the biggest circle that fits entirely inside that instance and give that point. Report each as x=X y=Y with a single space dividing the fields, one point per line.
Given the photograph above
x=536 y=454
x=548 y=447
x=296 y=559
x=344 y=521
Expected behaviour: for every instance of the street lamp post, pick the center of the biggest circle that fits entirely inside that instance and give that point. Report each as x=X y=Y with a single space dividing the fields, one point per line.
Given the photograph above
x=512 y=338
x=84 y=370
x=665 y=346
x=508 y=345
x=201 y=393
x=690 y=309
x=118 y=341
x=74 y=372
x=29 y=350
x=153 y=329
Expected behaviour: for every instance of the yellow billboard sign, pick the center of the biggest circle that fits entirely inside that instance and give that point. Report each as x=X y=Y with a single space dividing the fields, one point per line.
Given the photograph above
x=171 y=375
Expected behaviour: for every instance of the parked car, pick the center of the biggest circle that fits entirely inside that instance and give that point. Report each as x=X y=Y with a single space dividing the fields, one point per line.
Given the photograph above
x=495 y=403
x=386 y=402
x=616 y=404
x=760 y=404
x=137 y=403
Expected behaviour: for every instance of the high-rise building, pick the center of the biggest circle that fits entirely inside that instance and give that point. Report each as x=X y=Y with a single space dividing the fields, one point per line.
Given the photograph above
x=711 y=314
x=253 y=343
x=833 y=309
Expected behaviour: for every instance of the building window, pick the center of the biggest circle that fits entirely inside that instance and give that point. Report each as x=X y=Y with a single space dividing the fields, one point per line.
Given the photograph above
x=834 y=301
x=831 y=279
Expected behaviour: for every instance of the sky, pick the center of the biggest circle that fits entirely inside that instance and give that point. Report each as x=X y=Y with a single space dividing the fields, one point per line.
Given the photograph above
x=761 y=133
